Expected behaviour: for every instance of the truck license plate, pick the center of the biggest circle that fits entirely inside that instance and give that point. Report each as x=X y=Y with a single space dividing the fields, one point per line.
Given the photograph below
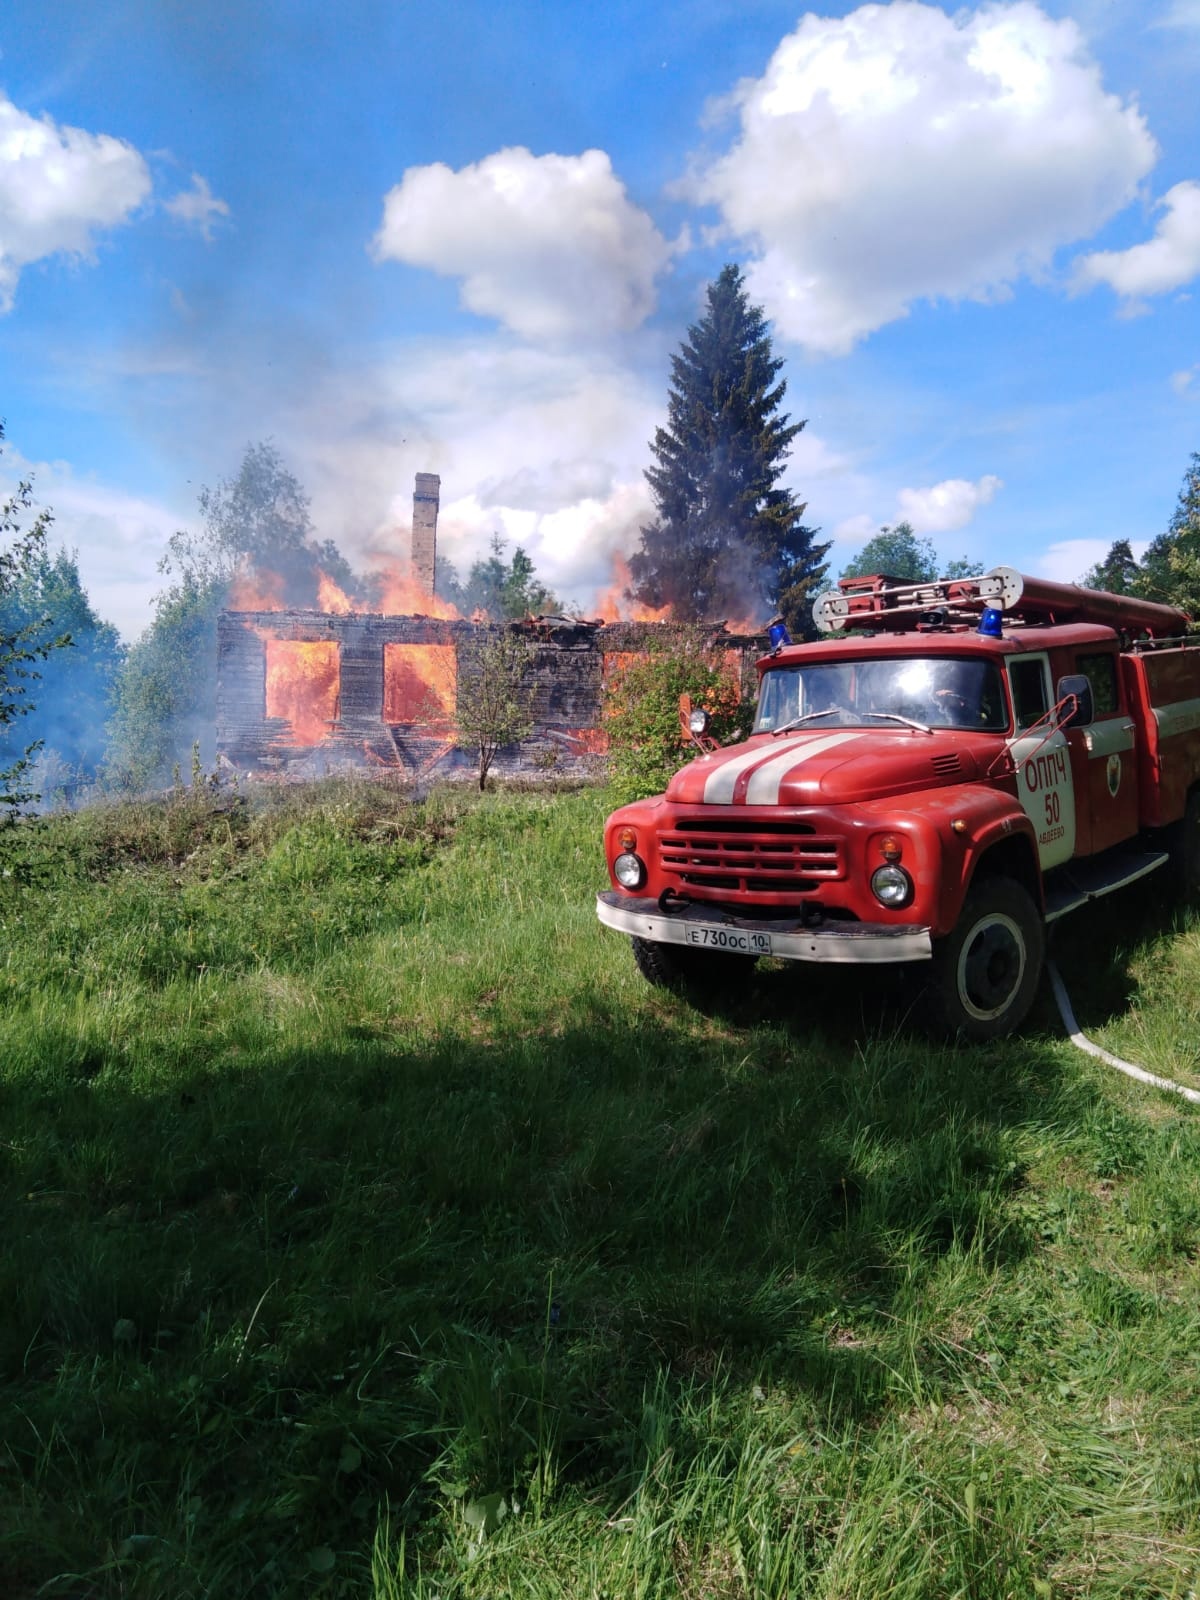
x=733 y=939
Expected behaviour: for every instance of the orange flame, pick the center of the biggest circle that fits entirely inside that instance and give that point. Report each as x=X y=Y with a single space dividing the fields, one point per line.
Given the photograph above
x=419 y=684
x=303 y=683
x=331 y=598
x=615 y=605
x=588 y=741
x=256 y=591
x=402 y=595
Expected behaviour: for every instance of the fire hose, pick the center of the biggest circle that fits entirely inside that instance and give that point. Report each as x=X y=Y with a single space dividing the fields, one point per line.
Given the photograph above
x=1081 y=1042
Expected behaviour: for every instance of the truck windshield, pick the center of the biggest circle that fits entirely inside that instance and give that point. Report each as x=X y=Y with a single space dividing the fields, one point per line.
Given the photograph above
x=939 y=691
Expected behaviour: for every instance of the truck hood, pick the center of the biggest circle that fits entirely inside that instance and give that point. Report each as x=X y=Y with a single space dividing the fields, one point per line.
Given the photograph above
x=820 y=767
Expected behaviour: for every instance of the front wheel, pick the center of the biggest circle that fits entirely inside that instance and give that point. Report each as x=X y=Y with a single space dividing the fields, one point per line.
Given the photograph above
x=687 y=971
x=986 y=972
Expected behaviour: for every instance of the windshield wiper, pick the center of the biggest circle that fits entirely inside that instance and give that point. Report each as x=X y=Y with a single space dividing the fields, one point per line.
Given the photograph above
x=894 y=716
x=808 y=716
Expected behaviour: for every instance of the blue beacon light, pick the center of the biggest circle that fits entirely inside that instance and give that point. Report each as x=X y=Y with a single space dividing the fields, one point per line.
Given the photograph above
x=777 y=634
x=990 y=623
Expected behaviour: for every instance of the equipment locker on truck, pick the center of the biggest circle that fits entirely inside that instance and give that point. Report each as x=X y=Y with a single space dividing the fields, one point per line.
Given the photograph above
x=958 y=764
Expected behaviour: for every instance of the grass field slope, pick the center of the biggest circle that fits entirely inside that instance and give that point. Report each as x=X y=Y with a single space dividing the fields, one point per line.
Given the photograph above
x=372 y=1229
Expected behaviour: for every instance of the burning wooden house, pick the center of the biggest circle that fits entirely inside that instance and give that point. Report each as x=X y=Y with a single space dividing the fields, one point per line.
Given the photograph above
x=313 y=691
x=322 y=687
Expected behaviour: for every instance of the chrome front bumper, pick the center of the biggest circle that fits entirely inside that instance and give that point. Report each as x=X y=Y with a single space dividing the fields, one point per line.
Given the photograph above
x=789 y=938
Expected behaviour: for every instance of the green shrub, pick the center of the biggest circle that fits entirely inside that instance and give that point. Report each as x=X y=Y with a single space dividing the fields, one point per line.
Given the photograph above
x=641 y=713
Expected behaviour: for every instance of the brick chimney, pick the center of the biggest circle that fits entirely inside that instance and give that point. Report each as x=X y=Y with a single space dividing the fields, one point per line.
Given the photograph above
x=424 y=528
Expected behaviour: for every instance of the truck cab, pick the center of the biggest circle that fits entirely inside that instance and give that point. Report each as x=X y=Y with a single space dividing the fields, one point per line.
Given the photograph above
x=951 y=769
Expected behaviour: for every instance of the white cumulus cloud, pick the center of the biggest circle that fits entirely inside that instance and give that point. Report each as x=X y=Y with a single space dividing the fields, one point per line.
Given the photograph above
x=59 y=186
x=197 y=207
x=947 y=506
x=548 y=245
x=1168 y=261
x=900 y=154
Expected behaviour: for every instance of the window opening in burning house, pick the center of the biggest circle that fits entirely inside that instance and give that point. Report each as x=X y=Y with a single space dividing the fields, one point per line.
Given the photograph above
x=420 y=684
x=304 y=686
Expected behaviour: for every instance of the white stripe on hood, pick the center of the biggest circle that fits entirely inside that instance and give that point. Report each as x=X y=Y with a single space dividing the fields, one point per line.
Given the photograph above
x=720 y=785
x=763 y=788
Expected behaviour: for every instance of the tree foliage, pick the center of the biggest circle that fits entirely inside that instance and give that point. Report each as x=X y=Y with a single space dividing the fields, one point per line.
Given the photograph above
x=166 y=695
x=74 y=695
x=24 y=639
x=895 y=552
x=641 y=714
x=1117 y=574
x=258 y=522
x=1170 y=569
x=495 y=695
x=898 y=552
x=166 y=692
x=1169 y=572
x=962 y=567
x=728 y=539
x=505 y=590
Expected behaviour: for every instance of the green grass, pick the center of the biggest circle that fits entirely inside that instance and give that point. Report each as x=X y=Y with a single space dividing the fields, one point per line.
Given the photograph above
x=371 y=1229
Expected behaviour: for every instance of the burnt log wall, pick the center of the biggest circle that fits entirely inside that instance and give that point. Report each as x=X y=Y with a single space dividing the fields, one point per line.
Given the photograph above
x=567 y=671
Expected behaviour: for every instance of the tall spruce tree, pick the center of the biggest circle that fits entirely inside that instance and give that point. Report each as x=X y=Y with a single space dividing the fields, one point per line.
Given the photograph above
x=728 y=539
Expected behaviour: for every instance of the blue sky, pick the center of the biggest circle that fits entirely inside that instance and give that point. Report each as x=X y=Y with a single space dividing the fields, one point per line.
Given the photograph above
x=465 y=238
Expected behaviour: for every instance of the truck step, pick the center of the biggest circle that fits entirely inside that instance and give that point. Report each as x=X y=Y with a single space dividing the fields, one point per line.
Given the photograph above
x=1078 y=882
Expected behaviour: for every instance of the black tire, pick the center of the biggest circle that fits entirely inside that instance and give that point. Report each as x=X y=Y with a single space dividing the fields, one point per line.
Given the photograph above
x=985 y=974
x=686 y=971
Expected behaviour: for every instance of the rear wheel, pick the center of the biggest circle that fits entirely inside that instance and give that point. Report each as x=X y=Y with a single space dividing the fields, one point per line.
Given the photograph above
x=687 y=971
x=985 y=974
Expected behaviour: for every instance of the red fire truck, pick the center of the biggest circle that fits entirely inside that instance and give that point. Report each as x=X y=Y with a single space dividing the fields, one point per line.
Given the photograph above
x=956 y=766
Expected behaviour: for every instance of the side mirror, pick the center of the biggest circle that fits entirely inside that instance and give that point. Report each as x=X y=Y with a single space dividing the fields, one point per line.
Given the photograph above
x=1078 y=688
x=694 y=723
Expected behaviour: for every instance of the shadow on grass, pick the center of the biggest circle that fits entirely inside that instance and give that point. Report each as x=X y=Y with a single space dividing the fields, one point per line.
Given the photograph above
x=1095 y=946
x=244 y=1311
x=1095 y=949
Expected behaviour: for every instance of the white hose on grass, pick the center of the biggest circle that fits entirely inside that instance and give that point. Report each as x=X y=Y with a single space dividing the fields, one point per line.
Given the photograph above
x=1082 y=1042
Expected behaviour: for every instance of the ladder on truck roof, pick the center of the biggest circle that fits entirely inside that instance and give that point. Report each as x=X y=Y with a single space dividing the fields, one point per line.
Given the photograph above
x=892 y=603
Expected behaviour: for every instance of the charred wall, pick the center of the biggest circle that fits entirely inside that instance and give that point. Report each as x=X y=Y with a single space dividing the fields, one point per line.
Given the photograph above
x=310 y=691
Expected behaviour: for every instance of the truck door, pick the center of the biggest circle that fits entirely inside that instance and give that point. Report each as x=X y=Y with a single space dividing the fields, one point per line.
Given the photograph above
x=1041 y=762
x=1107 y=745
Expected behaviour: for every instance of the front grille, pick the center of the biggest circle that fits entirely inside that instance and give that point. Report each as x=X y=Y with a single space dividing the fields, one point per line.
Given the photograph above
x=748 y=858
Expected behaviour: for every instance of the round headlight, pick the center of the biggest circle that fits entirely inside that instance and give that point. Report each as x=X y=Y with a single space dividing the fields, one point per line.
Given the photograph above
x=891 y=886
x=629 y=871
x=699 y=721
